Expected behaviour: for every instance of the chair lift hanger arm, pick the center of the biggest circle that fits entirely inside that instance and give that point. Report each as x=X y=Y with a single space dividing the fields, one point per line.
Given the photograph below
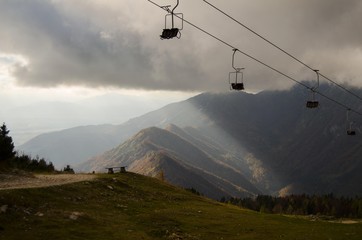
x=172 y=14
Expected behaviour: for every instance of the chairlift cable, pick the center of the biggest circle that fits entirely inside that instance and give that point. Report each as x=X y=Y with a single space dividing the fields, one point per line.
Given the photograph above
x=281 y=49
x=264 y=64
x=340 y=86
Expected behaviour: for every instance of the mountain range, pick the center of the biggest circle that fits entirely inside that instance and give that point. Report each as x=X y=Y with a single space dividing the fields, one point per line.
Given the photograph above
x=230 y=144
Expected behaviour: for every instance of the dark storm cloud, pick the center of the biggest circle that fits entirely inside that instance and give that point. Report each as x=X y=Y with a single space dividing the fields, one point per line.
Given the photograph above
x=67 y=50
x=90 y=43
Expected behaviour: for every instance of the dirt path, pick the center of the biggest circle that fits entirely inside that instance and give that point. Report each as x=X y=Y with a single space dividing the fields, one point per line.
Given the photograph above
x=36 y=181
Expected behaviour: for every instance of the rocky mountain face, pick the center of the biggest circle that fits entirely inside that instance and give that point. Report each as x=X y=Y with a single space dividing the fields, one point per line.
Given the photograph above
x=235 y=143
x=183 y=159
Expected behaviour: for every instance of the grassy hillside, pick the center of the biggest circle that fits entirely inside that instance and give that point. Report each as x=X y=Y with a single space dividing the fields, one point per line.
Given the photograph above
x=130 y=206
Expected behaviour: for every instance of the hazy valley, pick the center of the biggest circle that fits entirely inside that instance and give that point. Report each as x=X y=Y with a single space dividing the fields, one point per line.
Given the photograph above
x=232 y=144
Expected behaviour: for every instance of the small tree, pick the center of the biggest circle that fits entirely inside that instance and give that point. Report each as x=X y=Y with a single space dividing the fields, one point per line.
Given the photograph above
x=6 y=144
x=68 y=169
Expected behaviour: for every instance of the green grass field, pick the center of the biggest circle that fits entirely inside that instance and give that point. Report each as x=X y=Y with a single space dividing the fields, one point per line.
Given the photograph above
x=130 y=206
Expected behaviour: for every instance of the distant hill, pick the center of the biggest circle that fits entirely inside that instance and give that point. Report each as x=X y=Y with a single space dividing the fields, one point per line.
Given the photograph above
x=73 y=145
x=271 y=138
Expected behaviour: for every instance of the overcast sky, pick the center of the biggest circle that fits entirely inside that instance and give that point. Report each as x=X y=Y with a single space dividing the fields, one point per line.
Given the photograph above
x=66 y=51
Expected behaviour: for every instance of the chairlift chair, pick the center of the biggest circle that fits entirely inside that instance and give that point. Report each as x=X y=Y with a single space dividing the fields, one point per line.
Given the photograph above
x=237 y=86
x=350 y=130
x=236 y=78
x=314 y=103
x=169 y=33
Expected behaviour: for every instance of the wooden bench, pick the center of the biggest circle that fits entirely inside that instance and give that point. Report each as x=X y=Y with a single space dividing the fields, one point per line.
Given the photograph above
x=111 y=170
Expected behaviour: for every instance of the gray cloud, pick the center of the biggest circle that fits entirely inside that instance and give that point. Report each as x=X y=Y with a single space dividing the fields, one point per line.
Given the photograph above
x=65 y=50
x=95 y=44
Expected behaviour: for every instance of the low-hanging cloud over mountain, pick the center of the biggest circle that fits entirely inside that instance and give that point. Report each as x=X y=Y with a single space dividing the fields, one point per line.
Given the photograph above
x=95 y=43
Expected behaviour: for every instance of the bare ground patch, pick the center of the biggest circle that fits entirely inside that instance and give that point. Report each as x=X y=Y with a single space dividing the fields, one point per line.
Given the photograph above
x=10 y=181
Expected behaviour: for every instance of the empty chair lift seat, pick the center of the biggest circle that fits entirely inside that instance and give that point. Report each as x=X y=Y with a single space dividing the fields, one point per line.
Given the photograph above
x=169 y=33
x=237 y=86
x=351 y=132
x=312 y=104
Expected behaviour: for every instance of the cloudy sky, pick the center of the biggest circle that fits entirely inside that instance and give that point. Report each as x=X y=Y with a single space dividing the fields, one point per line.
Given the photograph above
x=65 y=63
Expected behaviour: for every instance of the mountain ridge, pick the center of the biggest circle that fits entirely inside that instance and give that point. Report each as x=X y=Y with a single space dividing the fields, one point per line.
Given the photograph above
x=135 y=153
